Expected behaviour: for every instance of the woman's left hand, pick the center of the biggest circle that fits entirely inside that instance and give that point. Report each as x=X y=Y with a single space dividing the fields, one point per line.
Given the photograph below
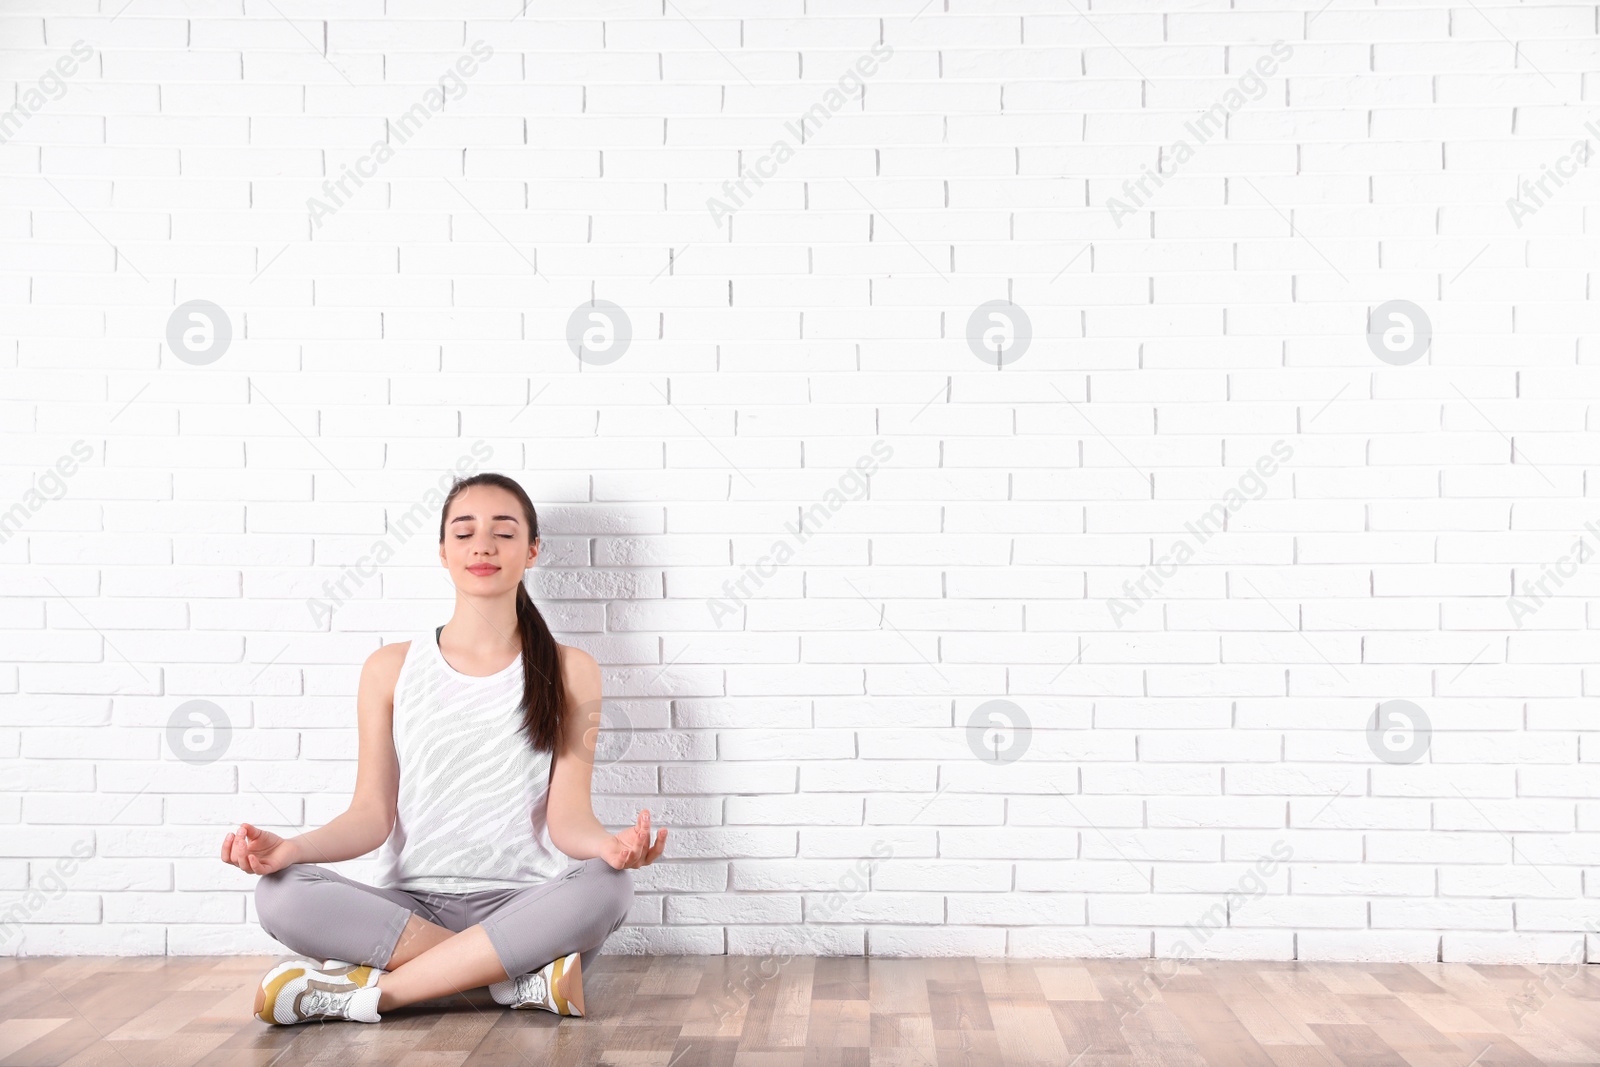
x=632 y=847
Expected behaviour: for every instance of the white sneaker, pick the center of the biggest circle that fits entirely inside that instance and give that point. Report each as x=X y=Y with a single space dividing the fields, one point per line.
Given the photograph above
x=555 y=987
x=299 y=991
x=361 y=974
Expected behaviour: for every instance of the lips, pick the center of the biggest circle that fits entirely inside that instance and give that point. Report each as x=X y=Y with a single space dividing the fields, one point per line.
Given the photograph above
x=481 y=569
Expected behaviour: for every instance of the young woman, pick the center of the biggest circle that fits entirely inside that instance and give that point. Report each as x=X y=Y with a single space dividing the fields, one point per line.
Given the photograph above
x=476 y=758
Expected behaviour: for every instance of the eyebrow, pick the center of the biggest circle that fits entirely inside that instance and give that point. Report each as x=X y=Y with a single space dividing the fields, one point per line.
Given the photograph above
x=474 y=518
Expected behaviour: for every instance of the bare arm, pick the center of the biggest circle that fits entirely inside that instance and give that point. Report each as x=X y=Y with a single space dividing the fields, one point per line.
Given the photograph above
x=370 y=817
x=570 y=812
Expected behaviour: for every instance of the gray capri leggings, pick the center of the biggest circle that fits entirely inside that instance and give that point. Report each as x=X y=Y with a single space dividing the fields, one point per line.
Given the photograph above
x=320 y=913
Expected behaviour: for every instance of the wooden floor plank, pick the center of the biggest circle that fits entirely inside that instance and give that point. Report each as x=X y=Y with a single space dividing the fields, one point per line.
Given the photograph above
x=834 y=1012
x=1263 y=1017
x=1210 y=1024
x=1357 y=1045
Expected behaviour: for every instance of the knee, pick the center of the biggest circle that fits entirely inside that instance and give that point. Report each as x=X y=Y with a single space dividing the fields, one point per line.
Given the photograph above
x=614 y=891
x=272 y=893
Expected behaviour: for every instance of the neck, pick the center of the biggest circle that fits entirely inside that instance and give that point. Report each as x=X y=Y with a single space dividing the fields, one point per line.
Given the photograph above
x=485 y=623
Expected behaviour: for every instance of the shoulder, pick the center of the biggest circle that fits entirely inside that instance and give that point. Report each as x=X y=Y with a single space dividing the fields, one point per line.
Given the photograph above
x=580 y=674
x=391 y=655
x=580 y=680
x=384 y=664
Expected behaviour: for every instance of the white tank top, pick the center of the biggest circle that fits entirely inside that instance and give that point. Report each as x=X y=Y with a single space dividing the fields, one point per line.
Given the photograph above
x=473 y=792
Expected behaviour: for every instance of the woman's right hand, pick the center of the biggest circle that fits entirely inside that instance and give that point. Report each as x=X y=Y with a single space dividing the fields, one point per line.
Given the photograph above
x=257 y=851
x=631 y=848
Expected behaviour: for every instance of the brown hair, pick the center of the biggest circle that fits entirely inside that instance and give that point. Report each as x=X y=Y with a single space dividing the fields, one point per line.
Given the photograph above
x=544 y=695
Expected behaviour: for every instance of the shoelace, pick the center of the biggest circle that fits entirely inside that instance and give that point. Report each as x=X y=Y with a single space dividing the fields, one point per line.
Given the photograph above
x=533 y=987
x=324 y=1002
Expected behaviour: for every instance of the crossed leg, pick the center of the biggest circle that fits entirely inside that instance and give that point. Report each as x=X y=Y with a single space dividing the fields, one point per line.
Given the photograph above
x=446 y=963
x=320 y=912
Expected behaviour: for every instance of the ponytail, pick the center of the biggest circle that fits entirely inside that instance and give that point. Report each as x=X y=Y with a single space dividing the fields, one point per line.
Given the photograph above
x=543 y=693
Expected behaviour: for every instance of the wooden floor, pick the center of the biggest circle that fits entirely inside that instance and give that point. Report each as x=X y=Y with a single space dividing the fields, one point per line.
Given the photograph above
x=688 y=1011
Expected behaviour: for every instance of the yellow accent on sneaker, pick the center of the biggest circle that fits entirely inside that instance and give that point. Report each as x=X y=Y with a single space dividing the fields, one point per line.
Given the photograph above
x=538 y=989
x=555 y=988
x=268 y=991
x=298 y=990
x=568 y=978
x=361 y=974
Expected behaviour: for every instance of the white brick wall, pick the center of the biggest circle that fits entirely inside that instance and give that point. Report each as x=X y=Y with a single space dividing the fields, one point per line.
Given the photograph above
x=1177 y=753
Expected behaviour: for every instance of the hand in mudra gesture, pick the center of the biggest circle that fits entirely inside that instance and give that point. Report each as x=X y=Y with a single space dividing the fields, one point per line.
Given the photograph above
x=632 y=847
x=257 y=851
